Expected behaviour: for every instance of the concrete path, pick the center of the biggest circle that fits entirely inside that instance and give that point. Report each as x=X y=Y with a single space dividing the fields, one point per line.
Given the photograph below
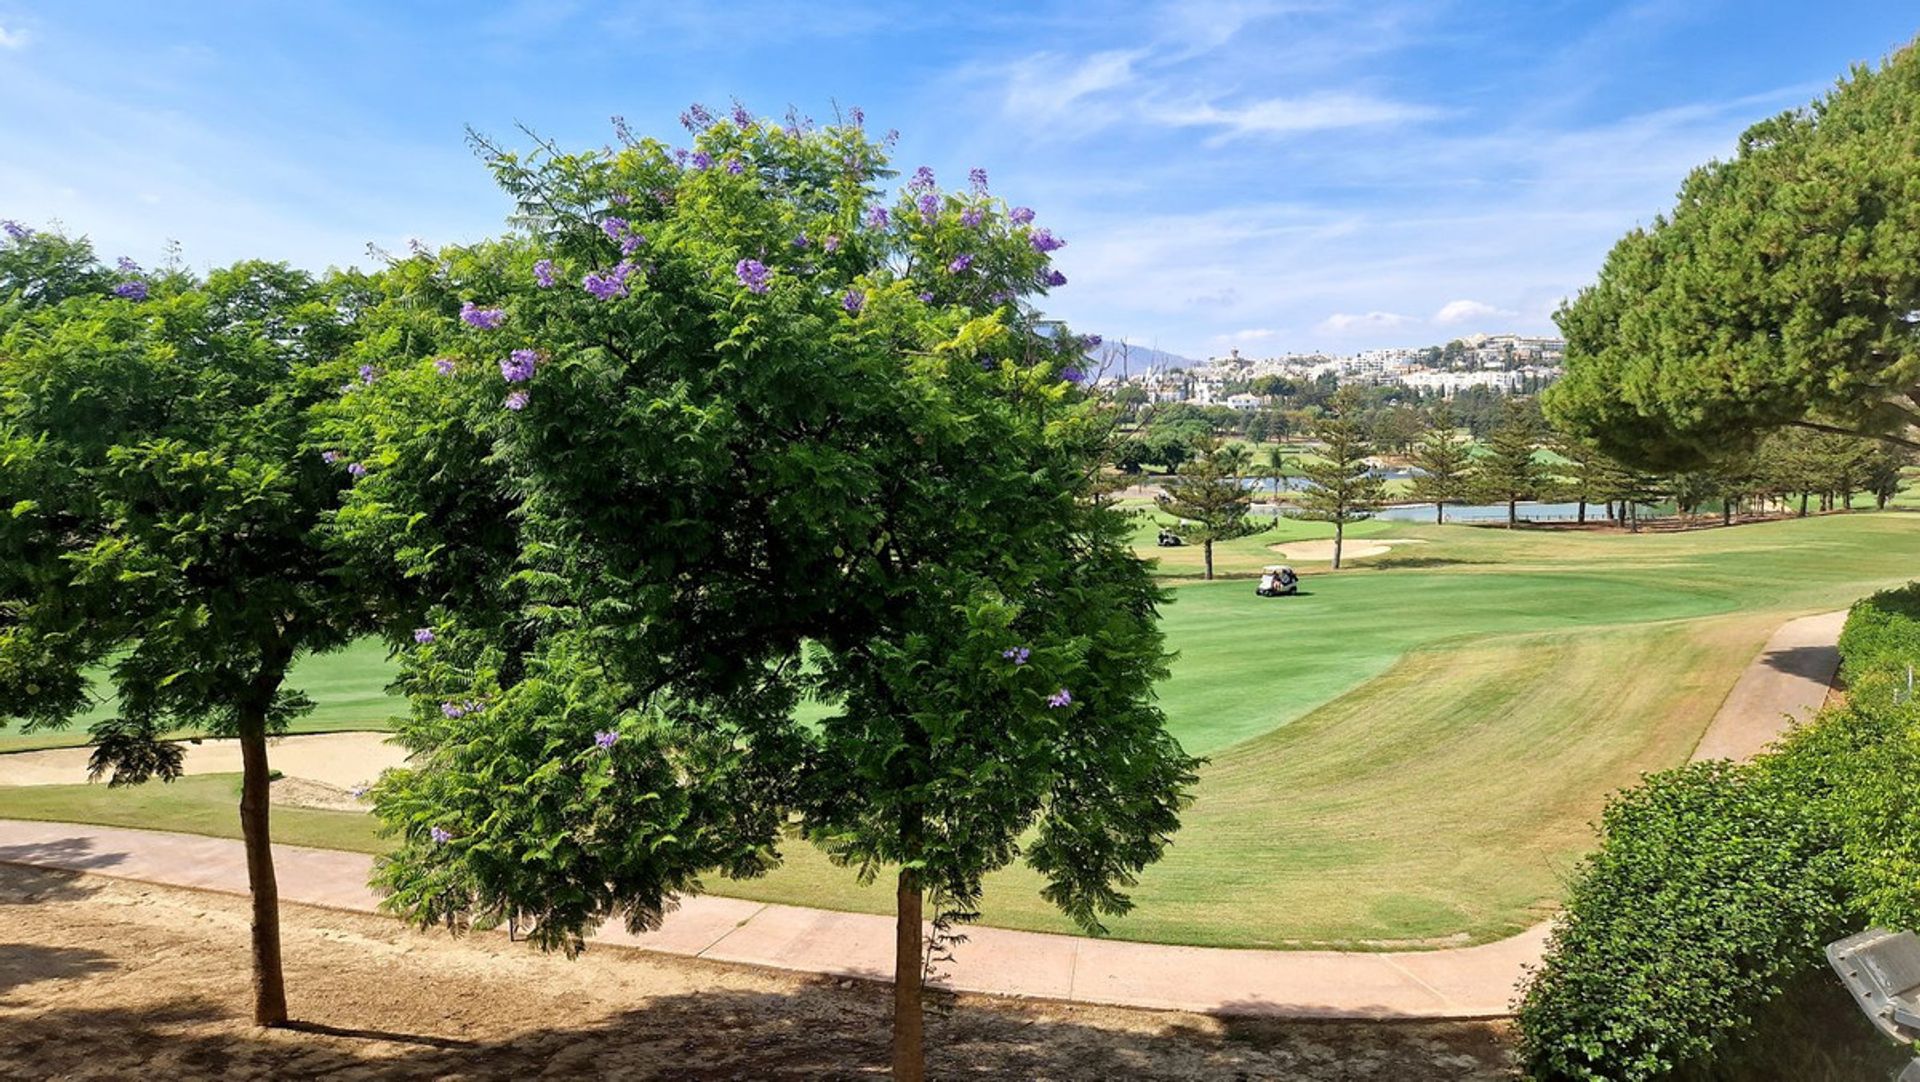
x=1470 y=982
x=1785 y=684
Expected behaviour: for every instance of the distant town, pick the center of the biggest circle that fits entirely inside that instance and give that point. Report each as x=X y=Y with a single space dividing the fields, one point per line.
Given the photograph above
x=1500 y=363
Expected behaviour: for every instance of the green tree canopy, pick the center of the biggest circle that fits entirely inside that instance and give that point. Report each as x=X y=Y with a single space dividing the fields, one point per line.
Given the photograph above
x=1780 y=291
x=167 y=502
x=1341 y=485
x=1208 y=501
x=1508 y=472
x=1444 y=462
x=716 y=409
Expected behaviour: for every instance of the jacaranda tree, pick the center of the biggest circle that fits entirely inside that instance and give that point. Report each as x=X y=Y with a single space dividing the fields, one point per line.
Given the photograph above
x=714 y=409
x=164 y=513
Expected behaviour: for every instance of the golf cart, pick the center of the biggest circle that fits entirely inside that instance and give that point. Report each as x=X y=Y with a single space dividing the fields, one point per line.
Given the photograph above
x=1278 y=580
x=1169 y=539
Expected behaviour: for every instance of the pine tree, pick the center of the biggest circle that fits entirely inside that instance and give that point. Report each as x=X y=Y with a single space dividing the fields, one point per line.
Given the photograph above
x=1341 y=484
x=1209 y=500
x=1507 y=472
x=1444 y=462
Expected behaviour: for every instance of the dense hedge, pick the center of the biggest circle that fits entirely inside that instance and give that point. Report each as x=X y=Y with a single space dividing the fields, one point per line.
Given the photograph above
x=1691 y=943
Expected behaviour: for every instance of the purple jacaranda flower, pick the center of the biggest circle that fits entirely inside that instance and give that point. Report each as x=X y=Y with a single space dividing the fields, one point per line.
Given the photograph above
x=1018 y=655
x=614 y=228
x=741 y=117
x=1073 y=374
x=443 y=365
x=368 y=374
x=960 y=263
x=922 y=180
x=357 y=791
x=604 y=739
x=15 y=229
x=519 y=366
x=978 y=178
x=357 y=470
x=543 y=273
x=680 y=155
x=418 y=247
x=696 y=118
x=423 y=635
x=853 y=301
x=632 y=243
x=621 y=131
x=735 y=166
x=800 y=241
x=329 y=457
x=926 y=297
x=1060 y=698
x=856 y=116
x=1043 y=240
x=702 y=160
x=486 y=319
x=609 y=284
x=1054 y=279
x=753 y=274
x=831 y=243
x=440 y=835
x=135 y=290
x=516 y=401
x=972 y=216
x=453 y=710
x=877 y=218
x=929 y=207
x=621 y=199
x=1091 y=341
x=1020 y=215
x=999 y=296
x=127 y=266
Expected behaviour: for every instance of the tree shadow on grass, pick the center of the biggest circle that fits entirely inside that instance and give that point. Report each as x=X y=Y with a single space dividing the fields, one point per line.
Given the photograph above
x=822 y=1031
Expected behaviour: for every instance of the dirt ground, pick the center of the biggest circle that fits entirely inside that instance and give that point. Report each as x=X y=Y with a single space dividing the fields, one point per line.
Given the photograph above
x=340 y=760
x=111 y=979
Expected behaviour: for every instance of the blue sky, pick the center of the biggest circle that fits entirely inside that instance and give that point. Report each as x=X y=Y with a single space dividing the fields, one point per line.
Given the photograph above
x=1270 y=176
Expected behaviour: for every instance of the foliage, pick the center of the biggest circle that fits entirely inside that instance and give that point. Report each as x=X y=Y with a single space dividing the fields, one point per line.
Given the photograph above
x=1210 y=502
x=1780 y=290
x=1509 y=472
x=1444 y=462
x=1341 y=485
x=1699 y=925
x=779 y=412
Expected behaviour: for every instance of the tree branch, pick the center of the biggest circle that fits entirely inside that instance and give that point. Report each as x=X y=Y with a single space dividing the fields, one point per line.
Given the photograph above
x=1836 y=430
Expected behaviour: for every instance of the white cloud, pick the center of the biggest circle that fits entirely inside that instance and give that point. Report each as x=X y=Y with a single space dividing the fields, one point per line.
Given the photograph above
x=1245 y=337
x=1291 y=116
x=1463 y=310
x=12 y=39
x=1346 y=323
x=1048 y=85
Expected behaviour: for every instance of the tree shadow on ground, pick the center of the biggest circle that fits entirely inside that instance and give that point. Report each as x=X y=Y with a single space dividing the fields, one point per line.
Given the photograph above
x=26 y=884
x=825 y=1031
x=1404 y=563
x=22 y=964
x=1812 y=662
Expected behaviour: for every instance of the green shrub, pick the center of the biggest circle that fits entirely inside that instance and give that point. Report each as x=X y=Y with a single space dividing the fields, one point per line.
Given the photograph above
x=1691 y=943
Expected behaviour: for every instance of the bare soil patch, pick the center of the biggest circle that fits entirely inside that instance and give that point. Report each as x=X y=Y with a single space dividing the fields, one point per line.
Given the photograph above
x=341 y=760
x=104 y=978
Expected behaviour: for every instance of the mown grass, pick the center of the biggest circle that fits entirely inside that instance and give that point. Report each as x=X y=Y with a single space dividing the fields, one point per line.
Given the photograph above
x=197 y=804
x=1414 y=749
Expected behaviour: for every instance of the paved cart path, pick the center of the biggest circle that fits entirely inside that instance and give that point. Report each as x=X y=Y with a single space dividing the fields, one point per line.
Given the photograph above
x=1789 y=679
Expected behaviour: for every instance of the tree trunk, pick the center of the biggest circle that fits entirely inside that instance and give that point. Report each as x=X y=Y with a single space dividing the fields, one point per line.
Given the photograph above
x=269 y=984
x=909 y=1033
x=1726 y=512
x=1513 y=512
x=1440 y=514
x=1582 y=521
x=1207 y=547
x=1803 y=505
x=1339 y=535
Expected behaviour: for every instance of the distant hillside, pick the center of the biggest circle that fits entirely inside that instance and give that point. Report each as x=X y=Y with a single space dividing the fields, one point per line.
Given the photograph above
x=1138 y=358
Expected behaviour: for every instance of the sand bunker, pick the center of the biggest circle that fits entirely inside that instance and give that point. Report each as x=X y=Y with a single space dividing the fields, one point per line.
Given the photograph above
x=1311 y=551
x=339 y=761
